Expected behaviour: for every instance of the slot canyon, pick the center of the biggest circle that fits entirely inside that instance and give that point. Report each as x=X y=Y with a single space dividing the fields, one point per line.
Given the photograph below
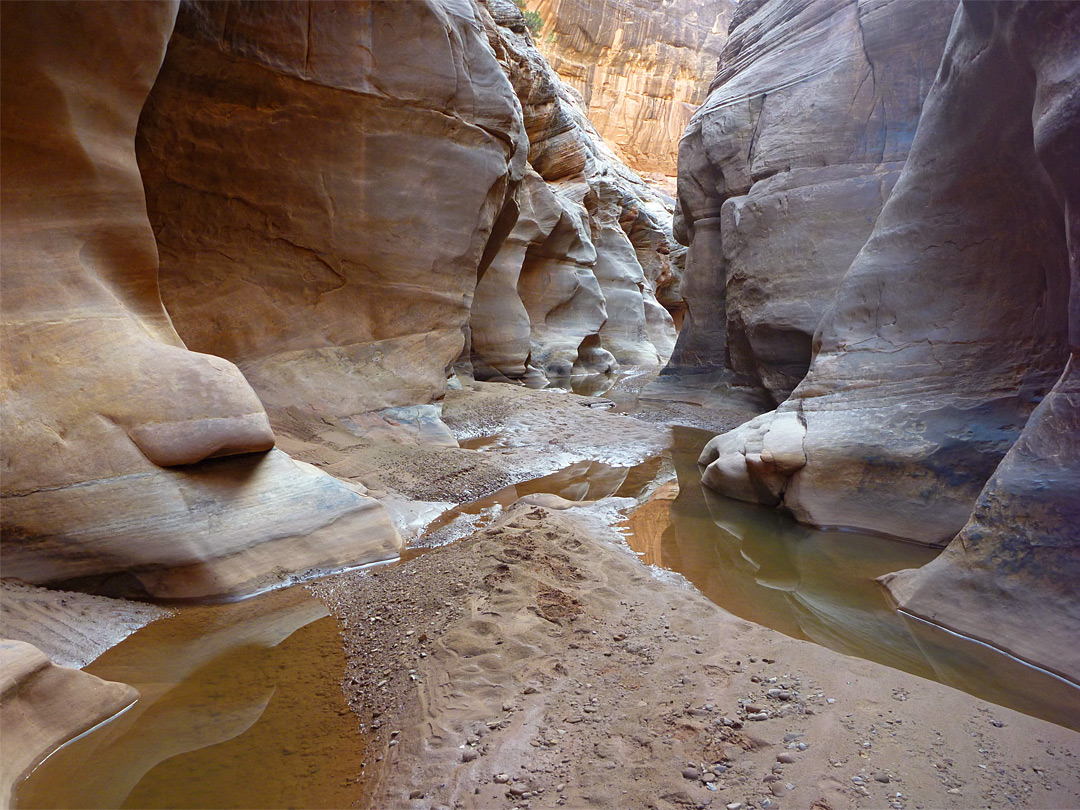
x=616 y=404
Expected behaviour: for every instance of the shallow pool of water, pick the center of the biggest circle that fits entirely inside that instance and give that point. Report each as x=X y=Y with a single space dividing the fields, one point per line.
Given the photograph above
x=240 y=706
x=821 y=586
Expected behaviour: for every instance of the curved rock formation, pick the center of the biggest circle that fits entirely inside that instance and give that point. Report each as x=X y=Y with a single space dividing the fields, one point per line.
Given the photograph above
x=641 y=68
x=784 y=169
x=109 y=423
x=44 y=706
x=323 y=180
x=573 y=289
x=946 y=331
x=1010 y=576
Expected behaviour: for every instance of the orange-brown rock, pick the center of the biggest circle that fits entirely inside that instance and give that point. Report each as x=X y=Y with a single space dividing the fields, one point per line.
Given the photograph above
x=111 y=427
x=43 y=706
x=323 y=180
x=640 y=67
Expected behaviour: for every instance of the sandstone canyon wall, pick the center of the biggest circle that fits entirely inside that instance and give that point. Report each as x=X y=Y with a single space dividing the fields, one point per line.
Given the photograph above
x=949 y=328
x=641 y=67
x=784 y=169
x=334 y=189
x=130 y=464
x=573 y=291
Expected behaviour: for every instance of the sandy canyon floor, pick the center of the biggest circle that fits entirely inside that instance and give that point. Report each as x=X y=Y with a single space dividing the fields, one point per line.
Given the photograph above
x=536 y=662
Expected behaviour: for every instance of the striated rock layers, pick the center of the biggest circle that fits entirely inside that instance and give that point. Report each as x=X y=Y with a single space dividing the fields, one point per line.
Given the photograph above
x=784 y=170
x=641 y=67
x=340 y=190
x=573 y=290
x=323 y=180
x=130 y=464
x=1010 y=576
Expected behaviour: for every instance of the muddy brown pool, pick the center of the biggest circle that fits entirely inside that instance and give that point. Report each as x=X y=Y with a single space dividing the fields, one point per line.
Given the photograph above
x=821 y=586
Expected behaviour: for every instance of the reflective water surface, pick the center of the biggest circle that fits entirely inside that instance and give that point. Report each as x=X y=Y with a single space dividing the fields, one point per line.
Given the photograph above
x=241 y=706
x=820 y=586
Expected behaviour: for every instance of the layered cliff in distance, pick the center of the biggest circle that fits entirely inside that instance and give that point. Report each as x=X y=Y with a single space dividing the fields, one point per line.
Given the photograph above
x=641 y=67
x=783 y=171
x=949 y=328
x=130 y=464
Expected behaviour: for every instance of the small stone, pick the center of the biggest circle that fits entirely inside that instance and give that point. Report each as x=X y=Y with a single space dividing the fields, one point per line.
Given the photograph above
x=794 y=735
x=691 y=773
x=773 y=693
x=997 y=724
x=767 y=804
x=758 y=716
x=801 y=746
x=734 y=806
x=881 y=777
x=708 y=777
x=468 y=755
x=531 y=690
x=416 y=794
x=953 y=791
x=784 y=694
x=830 y=700
x=501 y=778
x=787 y=759
x=507 y=707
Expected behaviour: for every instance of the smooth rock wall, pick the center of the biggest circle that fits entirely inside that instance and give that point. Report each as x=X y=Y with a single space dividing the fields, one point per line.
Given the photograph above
x=112 y=429
x=947 y=330
x=640 y=67
x=1009 y=577
x=323 y=180
x=784 y=169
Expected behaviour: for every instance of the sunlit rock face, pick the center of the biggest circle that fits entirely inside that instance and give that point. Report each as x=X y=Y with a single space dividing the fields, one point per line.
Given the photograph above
x=784 y=169
x=573 y=291
x=323 y=180
x=641 y=67
x=1010 y=576
x=130 y=464
x=951 y=324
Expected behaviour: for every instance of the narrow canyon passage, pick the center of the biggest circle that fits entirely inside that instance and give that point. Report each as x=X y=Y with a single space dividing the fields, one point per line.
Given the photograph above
x=254 y=704
x=609 y=404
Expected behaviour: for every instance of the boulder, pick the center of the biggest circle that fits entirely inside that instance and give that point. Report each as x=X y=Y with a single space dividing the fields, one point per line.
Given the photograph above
x=130 y=464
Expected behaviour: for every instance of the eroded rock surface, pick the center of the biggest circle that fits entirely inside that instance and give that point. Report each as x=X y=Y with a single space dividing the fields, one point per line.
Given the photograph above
x=947 y=330
x=112 y=429
x=573 y=291
x=1010 y=576
x=783 y=170
x=323 y=180
x=44 y=706
x=641 y=67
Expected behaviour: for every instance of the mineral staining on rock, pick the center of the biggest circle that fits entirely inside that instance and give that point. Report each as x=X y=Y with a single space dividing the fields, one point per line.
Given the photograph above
x=784 y=169
x=113 y=431
x=641 y=68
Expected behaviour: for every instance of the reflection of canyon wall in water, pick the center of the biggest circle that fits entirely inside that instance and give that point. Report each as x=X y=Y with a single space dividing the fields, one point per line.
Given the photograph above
x=112 y=429
x=821 y=586
x=948 y=329
x=238 y=704
x=641 y=68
